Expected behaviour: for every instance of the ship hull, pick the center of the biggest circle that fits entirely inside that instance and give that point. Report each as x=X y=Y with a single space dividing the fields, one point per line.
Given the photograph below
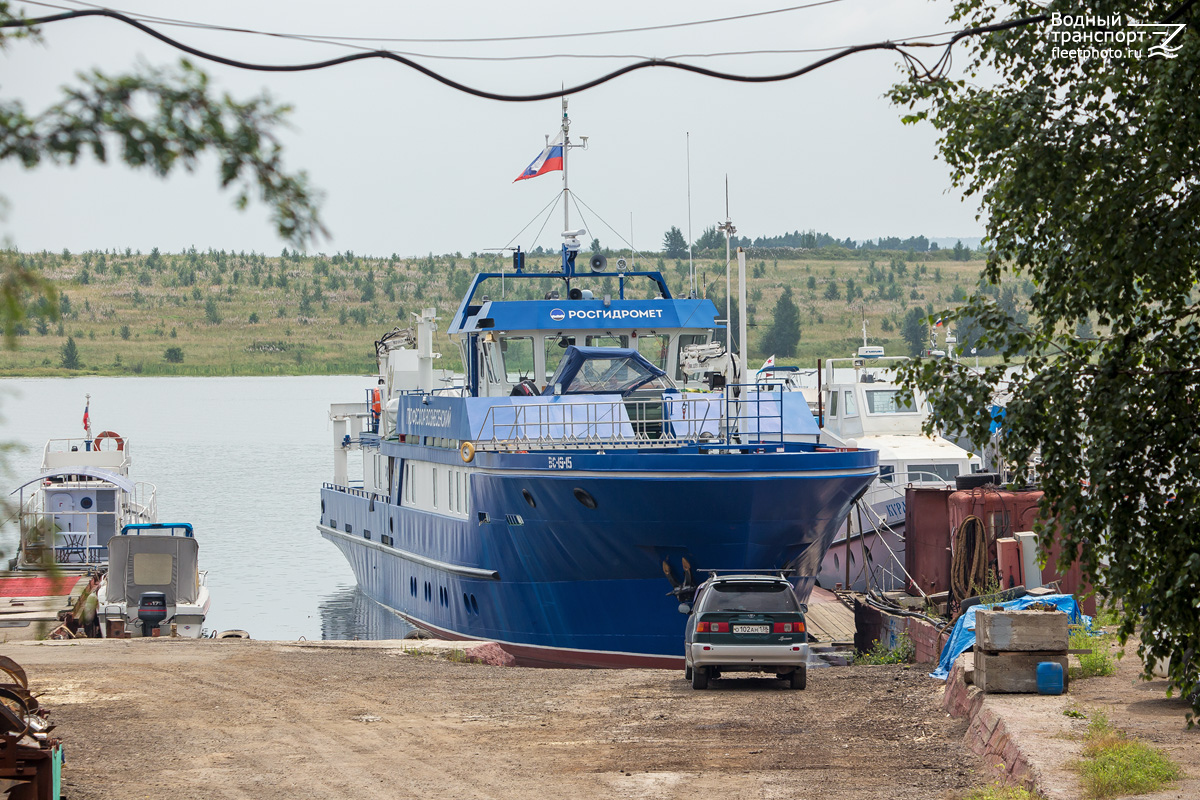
x=561 y=582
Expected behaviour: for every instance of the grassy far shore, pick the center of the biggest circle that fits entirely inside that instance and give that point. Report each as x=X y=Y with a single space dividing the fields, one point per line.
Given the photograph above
x=219 y=313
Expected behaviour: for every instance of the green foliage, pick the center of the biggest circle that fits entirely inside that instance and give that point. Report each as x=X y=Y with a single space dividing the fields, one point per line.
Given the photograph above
x=161 y=119
x=1097 y=663
x=784 y=334
x=174 y=355
x=70 y=355
x=674 y=245
x=211 y=314
x=710 y=239
x=998 y=791
x=1115 y=766
x=915 y=331
x=1086 y=170
x=880 y=653
x=125 y=332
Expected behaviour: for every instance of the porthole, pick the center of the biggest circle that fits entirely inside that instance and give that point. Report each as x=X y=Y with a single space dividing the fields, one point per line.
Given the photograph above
x=412 y=586
x=836 y=565
x=466 y=601
x=474 y=605
x=528 y=498
x=391 y=524
x=322 y=506
x=85 y=503
x=583 y=497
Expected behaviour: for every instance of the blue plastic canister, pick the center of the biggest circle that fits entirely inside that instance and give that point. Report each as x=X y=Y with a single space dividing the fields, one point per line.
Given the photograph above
x=1049 y=677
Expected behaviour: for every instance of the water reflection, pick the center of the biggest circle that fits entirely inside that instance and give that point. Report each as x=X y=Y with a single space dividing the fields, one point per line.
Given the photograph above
x=347 y=613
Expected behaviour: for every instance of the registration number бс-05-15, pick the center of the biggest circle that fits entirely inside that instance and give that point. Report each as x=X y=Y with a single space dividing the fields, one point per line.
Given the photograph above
x=560 y=462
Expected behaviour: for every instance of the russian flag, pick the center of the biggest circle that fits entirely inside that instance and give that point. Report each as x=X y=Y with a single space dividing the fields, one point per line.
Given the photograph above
x=549 y=160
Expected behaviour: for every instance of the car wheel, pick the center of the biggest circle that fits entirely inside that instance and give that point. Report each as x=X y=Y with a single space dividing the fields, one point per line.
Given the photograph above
x=699 y=677
x=687 y=672
x=799 y=678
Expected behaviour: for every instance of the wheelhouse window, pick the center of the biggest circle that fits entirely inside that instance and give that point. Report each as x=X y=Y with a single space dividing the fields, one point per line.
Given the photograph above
x=606 y=340
x=890 y=401
x=833 y=404
x=851 y=404
x=517 y=352
x=555 y=346
x=654 y=349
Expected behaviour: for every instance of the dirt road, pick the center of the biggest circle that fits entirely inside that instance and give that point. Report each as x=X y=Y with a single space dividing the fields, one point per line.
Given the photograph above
x=237 y=719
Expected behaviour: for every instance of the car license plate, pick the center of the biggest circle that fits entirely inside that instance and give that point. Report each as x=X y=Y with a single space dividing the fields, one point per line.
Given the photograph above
x=751 y=629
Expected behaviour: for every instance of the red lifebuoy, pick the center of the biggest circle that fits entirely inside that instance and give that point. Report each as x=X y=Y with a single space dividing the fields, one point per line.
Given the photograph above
x=108 y=435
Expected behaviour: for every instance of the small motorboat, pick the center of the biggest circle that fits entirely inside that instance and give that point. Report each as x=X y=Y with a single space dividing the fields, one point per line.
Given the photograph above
x=154 y=585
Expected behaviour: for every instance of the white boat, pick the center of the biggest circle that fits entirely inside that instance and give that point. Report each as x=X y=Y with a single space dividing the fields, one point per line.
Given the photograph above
x=81 y=498
x=154 y=585
x=863 y=406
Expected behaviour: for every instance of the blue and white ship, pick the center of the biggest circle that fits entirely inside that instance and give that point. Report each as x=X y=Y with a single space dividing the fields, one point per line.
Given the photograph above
x=561 y=499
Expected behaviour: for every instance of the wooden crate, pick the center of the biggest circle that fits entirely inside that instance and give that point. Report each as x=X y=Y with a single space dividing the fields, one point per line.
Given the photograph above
x=1003 y=630
x=1013 y=672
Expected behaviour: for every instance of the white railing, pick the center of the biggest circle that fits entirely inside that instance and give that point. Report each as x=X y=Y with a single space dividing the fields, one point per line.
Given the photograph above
x=73 y=534
x=672 y=420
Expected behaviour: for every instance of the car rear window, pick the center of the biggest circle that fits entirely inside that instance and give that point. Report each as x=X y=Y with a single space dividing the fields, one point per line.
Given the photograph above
x=751 y=597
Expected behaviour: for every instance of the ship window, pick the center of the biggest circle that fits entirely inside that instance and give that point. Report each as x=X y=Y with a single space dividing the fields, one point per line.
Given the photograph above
x=851 y=404
x=890 y=401
x=833 y=396
x=153 y=569
x=887 y=473
x=654 y=349
x=452 y=487
x=493 y=361
x=555 y=346
x=435 y=505
x=946 y=472
x=606 y=340
x=518 y=357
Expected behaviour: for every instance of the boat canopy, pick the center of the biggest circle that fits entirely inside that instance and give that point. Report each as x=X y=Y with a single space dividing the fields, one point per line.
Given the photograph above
x=167 y=564
x=120 y=481
x=606 y=370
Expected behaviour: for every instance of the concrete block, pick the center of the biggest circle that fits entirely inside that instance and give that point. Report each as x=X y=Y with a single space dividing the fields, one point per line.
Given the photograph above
x=1021 y=631
x=1012 y=672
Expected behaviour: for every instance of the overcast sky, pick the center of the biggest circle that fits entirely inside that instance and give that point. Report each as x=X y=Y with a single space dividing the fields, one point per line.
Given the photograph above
x=410 y=166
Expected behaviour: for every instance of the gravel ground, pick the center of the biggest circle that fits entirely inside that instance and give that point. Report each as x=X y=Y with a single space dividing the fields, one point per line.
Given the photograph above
x=238 y=719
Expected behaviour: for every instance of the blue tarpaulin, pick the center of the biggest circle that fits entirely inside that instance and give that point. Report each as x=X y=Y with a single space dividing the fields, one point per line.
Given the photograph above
x=962 y=638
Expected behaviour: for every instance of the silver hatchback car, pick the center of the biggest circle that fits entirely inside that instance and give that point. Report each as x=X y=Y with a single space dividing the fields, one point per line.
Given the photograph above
x=746 y=623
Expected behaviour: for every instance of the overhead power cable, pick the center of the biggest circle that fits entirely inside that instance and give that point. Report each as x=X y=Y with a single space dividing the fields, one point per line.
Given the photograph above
x=348 y=41
x=478 y=40
x=914 y=64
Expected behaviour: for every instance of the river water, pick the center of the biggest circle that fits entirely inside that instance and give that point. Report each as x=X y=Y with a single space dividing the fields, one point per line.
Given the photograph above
x=243 y=460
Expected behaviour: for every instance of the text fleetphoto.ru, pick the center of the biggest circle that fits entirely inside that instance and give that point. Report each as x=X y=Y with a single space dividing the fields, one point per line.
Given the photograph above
x=1088 y=36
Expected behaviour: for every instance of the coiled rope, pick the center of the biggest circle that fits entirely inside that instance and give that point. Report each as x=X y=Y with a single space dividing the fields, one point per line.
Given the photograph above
x=968 y=567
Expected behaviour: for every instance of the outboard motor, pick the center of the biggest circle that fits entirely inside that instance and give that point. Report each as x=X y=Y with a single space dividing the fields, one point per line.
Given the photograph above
x=152 y=611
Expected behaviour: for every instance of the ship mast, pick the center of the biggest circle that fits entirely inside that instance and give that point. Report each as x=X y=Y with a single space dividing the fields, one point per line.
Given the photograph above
x=566 y=145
